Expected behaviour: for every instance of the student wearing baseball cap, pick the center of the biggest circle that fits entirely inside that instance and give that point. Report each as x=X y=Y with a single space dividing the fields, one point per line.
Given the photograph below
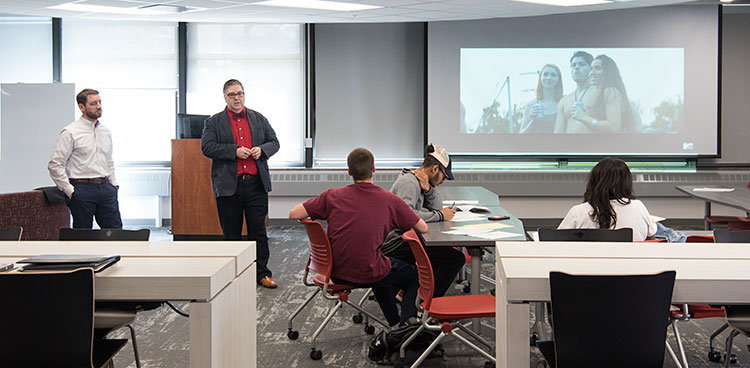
x=418 y=188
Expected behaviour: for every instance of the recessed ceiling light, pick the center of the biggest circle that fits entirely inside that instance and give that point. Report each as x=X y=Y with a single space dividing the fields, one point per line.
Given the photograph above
x=567 y=2
x=168 y=8
x=318 y=4
x=87 y=8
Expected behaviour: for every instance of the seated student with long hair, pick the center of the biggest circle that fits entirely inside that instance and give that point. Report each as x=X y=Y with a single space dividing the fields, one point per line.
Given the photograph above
x=609 y=203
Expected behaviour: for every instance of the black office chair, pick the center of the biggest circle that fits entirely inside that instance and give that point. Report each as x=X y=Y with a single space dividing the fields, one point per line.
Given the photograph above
x=104 y=234
x=11 y=233
x=586 y=235
x=567 y=235
x=732 y=236
x=111 y=316
x=48 y=321
x=633 y=307
x=738 y=318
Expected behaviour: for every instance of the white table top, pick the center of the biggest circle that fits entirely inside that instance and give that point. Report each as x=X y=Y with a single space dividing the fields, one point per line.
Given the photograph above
x=152 y=270
x=697 y=281
x=242 y=251
x=731 y=251
x=156 y=278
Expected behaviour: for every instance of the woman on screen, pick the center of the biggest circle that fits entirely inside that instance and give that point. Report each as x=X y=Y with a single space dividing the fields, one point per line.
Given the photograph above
x=540 y=113
x=611 y=111
x=609 y=203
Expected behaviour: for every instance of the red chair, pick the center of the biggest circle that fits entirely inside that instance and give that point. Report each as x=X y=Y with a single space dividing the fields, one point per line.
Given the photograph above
x=734 y=222
x=686 y=312
x=321 y=264
x=699 y=239
x=443 y=313
x=662 y=240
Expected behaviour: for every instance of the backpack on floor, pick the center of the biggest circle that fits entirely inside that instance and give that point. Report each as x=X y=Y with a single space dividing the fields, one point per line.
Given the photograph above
x=385 y=346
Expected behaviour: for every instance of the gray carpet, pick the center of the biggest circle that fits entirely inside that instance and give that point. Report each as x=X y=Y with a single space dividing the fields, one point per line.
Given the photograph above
x=163 y=335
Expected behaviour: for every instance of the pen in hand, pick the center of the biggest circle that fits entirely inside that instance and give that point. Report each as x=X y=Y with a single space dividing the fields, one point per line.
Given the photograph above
x=454 y=203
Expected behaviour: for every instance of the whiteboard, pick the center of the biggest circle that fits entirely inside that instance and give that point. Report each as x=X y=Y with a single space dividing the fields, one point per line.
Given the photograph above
x=31 y=118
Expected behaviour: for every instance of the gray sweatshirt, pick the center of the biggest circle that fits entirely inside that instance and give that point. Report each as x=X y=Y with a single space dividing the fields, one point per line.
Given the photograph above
x=426 y=205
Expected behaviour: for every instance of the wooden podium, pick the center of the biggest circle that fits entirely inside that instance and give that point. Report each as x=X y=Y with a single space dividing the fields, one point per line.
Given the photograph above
x=194 y=214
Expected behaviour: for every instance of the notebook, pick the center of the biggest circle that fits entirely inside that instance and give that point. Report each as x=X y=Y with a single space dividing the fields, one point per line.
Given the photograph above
x=68 y=262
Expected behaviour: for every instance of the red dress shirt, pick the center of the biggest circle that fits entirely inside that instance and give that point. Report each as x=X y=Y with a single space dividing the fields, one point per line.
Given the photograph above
x=244 y=138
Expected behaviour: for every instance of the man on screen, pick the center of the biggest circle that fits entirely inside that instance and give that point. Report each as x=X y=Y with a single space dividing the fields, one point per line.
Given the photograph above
x=580 y=100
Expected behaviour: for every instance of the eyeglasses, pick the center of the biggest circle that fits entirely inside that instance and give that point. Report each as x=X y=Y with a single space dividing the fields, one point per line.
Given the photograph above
x=233 y=95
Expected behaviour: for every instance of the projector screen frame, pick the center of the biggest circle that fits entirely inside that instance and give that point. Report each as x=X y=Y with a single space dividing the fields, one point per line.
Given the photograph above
x=431 y=90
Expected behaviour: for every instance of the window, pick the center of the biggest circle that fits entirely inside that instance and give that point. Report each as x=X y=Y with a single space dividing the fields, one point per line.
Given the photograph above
x=134 y=67
x=26 y=46
x=269 y=61
x=26 y=49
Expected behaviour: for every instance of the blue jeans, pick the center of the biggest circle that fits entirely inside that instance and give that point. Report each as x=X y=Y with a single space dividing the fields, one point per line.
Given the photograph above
x=669 y=233
x=403 y=276
x=95 y=200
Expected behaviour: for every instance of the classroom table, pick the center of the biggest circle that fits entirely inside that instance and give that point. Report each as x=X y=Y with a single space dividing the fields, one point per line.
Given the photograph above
x=436 y=237
x=706 y=273
x=484 y=196
x=738 y=198
x=217 y=278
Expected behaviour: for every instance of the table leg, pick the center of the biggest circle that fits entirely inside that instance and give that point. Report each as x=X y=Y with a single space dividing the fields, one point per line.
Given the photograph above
x=223 y=329
x=476 y=267
x=539 y=325
x=512 y=332
x=706 y=212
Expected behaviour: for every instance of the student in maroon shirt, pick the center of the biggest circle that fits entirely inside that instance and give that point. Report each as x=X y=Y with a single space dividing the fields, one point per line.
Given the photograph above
x=359 y=217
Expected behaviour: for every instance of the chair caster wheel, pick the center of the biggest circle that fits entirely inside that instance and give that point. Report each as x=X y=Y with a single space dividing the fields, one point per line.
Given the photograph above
x=369 y=329
x=316 y=354
x=292 y=334
x=733 y=359
x=467 y=289
x=714 y=356
x=533 y=339
x=357 y=318
x=489 y=365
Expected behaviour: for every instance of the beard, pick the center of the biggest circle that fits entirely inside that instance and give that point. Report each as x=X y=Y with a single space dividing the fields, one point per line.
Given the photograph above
x=96 y=114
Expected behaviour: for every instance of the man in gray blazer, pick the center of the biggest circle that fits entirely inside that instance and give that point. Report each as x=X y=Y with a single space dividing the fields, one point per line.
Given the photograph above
x=239 y=142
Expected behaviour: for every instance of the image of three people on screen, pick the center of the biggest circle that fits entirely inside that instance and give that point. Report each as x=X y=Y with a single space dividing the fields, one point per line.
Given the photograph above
x=599 y=103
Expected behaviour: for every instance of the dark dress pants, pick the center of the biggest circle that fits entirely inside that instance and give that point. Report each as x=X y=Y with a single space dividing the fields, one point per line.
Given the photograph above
x=404 y=277
x=95 y=200
x=251 y=199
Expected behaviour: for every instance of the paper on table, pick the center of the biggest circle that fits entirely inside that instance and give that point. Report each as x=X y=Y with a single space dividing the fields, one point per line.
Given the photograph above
x=496 y=235
x=447 y=203
x=657 y=218
x=467 y=231
x=465 y=216
x=486 y=225
x=719 y=190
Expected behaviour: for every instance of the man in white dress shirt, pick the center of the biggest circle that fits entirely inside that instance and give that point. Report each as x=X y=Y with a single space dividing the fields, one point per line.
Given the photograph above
x=82 y=167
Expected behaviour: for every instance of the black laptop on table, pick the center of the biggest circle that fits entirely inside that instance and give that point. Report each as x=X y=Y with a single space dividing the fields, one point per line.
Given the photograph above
x=68 y=262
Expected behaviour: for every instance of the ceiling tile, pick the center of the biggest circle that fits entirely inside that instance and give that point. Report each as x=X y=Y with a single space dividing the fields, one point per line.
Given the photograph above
x=248 y=11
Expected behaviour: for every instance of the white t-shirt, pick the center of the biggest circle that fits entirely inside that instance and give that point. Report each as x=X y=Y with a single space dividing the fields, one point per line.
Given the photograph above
x=633 y=215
